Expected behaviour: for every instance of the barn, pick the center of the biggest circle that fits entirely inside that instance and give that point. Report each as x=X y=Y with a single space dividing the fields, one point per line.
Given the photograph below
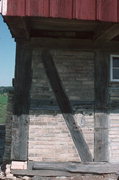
x=65 y=104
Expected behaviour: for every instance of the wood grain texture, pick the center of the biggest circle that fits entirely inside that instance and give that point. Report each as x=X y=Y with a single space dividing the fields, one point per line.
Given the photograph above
x=84 y=9
x=101 y=114
x=61 y=8
x=19 y=138
x=65 y=107
x=102 y=10
x=97 y=168
x=37 y=8
x=16 y=8
x=41 y=173
x=107 y=10
x=23 y=75
x=101 y=80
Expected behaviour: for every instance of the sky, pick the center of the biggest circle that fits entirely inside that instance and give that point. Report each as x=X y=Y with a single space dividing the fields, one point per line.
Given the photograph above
x=7 y=55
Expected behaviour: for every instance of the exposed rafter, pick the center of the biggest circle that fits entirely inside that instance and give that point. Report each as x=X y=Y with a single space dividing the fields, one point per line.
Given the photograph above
x=108 y=34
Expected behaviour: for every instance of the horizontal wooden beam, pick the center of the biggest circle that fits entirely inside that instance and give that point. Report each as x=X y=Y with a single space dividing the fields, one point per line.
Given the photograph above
x=96 y=168
x=73 y=44
x=68 y=169
x=41 y=173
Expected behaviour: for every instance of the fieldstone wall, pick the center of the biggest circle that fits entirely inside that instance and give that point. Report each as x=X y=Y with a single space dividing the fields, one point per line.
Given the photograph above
x=49 y=137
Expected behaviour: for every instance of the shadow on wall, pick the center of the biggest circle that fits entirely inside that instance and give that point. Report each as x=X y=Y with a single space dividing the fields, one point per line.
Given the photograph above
x=2 y=142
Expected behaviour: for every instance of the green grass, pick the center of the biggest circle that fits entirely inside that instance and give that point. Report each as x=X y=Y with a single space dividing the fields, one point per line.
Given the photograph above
x=3 y=108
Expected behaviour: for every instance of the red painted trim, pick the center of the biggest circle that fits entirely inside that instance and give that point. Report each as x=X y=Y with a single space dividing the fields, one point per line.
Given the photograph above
x=102 y=10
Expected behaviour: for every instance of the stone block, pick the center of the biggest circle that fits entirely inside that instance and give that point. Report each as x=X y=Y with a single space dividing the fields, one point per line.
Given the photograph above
x=18 y=165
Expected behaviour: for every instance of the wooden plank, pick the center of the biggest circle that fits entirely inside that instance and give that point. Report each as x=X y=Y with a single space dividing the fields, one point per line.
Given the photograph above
x=16 y=8
x=107 y=10
x=68 y=168
x=73 y=44
x=37 y=8
x=90 y=168
x=61 y=8
x=41 y=173
x=23 y=76
x=101 y=106
x=84 y=9
x=19 y=144
x=101 y=79
x=109 y=33
x=65 y=107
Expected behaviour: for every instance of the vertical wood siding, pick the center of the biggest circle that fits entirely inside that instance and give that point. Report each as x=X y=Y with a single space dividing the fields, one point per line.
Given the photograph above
x=16 y=8
x=61 y=8
x=102 y=10
x=107 y=10
x=37 y=8
x=84 y=9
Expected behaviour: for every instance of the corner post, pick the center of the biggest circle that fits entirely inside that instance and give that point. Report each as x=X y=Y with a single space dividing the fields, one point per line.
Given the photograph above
x=22 y=85
x=101 y=106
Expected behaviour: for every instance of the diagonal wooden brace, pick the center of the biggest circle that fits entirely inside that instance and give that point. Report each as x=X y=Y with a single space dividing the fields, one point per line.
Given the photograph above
x=65 y=107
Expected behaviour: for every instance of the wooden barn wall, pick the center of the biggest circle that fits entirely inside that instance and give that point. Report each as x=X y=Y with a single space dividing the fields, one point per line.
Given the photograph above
x=49 y=137
x=102 y=10
x=44 y=128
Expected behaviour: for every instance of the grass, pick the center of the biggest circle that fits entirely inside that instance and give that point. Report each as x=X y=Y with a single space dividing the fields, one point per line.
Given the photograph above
x=3 y=107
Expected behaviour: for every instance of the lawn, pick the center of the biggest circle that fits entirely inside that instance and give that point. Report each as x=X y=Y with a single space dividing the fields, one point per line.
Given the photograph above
x=3 y=107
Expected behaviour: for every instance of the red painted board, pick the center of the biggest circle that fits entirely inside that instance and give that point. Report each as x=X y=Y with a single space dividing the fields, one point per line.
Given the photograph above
x=107 y=10
x=61 y=8
x=84 y=9
x=16 y=7
x=118 y=11
x=37 y=8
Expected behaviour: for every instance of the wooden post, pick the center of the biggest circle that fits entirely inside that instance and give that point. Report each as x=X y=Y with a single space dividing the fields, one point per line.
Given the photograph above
x=101 y=107
x=22 y=84
x=23 y=77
